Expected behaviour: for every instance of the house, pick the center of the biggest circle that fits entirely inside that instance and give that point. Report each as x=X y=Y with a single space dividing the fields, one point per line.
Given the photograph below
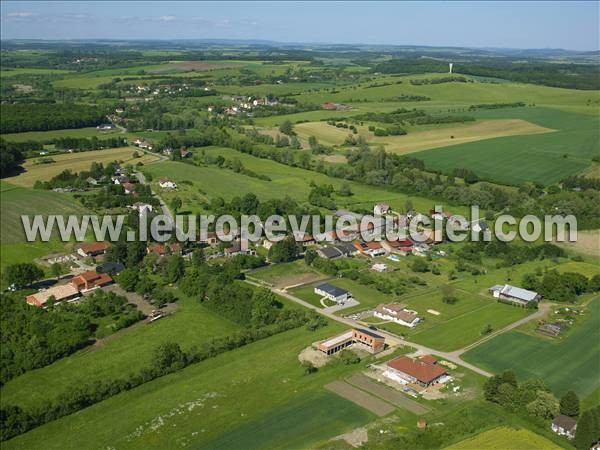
x=381 y=209
x=402 y=246
x=481 y=226
x=165 y=183
x=185 y=153
x=60 y=293
x=329 y=252
x=142 y=208
x=89 y=280
x=120 y=179
x=91 y=181
x=93 y=249
x=333 y=293
x=365 y=339
x=105 y=126
x=564 y=426
x=163 y=250
x=239 y=248
x=304 y=238
x=424 y=371
x=397 y=313
x=379 y=267
x=211 y=238
x=129 y=188
x=370 y=249
x=514 y=294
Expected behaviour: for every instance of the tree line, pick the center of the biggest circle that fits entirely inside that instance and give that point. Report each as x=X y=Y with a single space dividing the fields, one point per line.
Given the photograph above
x=20 y=117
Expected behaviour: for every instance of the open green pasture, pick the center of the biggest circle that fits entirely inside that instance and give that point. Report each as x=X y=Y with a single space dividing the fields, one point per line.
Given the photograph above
x=43 y=136
x=237 y=399
x=211 y=181
x=118 y=355
x=570 y=364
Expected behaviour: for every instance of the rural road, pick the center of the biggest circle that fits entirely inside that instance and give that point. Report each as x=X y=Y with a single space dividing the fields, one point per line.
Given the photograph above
x=165 y=209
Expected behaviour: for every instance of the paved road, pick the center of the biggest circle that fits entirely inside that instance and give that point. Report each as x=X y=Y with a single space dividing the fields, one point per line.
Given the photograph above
x=165 y=209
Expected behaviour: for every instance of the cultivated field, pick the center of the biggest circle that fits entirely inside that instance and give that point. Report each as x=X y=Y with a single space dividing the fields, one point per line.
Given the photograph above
x=287 y=274
x=504 y=437
x=572 y=363
x=75 y=162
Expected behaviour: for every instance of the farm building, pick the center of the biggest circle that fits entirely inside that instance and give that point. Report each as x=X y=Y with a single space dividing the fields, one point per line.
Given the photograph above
x=365 y=339
x=424 y=371
x=514 y=294
x=564 y=426
x=333 y=293
x=89 y=280
x=60 y=293
x=93 y=249
x=397 y=312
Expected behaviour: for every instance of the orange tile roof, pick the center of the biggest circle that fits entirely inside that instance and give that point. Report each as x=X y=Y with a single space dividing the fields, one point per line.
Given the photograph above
x=419 y=369
x=95 y=247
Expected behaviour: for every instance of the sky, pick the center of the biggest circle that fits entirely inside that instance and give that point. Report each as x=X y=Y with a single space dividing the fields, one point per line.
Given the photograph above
x=567 y=25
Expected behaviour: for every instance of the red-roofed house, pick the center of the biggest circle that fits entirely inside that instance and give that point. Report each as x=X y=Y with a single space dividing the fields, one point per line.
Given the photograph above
x=129 y=188
x=422 y=371
x=398 y=246
x=371 y=249
x=91 y=279
x=93 y=249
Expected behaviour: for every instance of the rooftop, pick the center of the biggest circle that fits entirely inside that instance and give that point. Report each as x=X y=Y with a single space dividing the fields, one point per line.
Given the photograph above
x=419 y=369
x=331 y=289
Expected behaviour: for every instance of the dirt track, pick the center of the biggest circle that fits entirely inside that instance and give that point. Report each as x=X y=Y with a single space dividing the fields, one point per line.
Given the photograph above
x=373 y=404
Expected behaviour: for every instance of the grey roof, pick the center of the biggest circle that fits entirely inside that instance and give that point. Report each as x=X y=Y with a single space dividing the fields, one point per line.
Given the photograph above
x=346 y=248
x=483 y=225
x=332 y=290
x=565 y=422
x=521 y=294
x=330 y=252
x=369 y=333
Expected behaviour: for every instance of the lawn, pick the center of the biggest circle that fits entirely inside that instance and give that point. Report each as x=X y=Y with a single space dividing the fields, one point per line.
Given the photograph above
x=572 y=363
x=504 y=437
x=122 y=353
x=75 y=162
x=253 y=397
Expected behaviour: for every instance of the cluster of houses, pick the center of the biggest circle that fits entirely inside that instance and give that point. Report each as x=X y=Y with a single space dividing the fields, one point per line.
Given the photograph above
x=143 y=144
x=243 y=104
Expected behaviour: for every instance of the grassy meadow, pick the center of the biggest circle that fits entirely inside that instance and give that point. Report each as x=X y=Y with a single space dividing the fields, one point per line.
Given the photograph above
x=497 y=438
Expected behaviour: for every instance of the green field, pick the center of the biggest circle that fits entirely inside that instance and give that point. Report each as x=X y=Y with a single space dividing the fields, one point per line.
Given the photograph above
x=287 y=274
x=570 y=364
x=125 y=352
x=546 y=158
x=87 y=132
x=210 y=182
x=214 y=403
x=503 y=438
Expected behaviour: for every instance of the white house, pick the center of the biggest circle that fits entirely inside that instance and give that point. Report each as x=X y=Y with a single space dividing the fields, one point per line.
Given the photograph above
x=381 y=208
x=564 y=426
x=142 y=207
x=397 y=313
x=165 y=183
x=333 y=293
